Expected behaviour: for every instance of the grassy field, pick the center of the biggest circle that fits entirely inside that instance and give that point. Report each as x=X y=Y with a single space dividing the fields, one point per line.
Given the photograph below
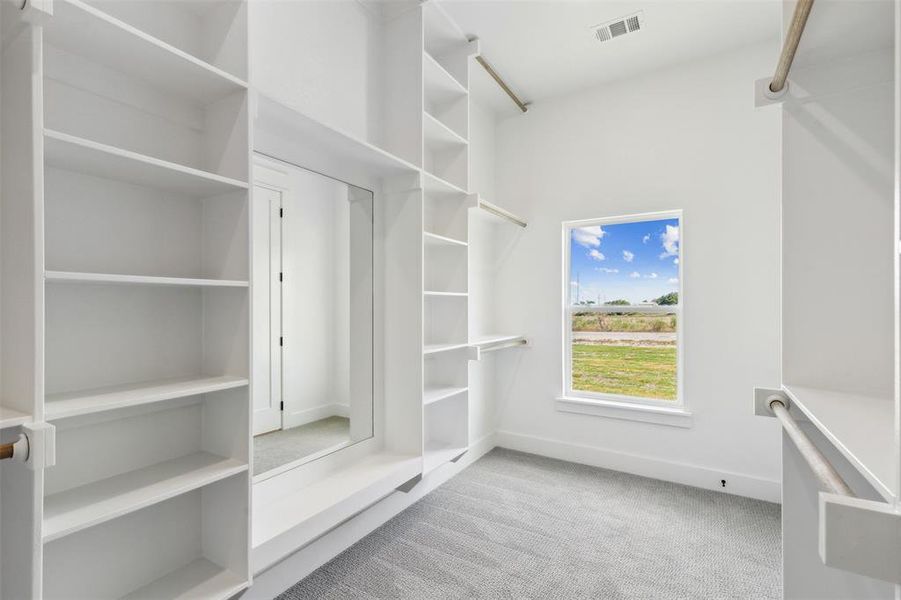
x=623 y=322
x=647 y=372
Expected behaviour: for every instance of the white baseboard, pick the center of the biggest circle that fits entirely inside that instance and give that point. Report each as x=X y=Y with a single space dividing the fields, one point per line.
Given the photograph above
x=655 y=468
x=317 y=413
x=277 y=579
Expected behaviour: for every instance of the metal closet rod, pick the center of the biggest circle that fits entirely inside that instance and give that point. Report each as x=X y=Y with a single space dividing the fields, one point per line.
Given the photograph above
x=519 y=103
x=790 y=46
x=825 y=473
x=500 y=212
x=6 y=451
x=513 y=344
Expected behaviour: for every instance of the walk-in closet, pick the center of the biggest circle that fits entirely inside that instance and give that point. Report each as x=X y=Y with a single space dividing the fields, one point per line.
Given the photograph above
x=406 y=299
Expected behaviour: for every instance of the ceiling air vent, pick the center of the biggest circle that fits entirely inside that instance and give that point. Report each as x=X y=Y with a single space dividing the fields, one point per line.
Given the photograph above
x=617 y=27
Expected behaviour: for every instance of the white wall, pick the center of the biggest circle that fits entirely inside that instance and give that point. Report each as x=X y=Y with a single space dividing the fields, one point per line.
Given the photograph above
x=482 y=148
x=320 y=56
x=685 y=138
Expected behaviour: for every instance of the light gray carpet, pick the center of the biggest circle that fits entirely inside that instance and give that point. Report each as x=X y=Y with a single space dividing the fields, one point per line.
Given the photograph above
x=278 y=448
x=518 y=526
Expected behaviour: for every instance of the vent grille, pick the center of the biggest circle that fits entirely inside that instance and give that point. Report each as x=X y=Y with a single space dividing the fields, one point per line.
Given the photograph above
x=619 y=27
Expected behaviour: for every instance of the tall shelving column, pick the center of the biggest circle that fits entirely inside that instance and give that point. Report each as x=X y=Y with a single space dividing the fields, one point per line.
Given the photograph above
x=142 y=158
x=445 y=127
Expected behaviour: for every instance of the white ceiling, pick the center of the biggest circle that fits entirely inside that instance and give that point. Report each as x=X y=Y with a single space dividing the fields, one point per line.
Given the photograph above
x=546 y=48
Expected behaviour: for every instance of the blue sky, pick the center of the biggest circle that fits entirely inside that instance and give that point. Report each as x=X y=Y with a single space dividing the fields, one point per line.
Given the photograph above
x=631 y=261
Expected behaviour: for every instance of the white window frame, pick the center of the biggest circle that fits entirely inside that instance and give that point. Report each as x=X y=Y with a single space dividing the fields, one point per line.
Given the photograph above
x=605 y=404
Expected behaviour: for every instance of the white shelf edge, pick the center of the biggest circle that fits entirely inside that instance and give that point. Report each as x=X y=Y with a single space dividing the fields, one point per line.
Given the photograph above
x=438 y=348
x=440 y=133
x=10 y=417
x=73 y=404
x=434 y=238
x=200 y=578
x=144 y=160
x=445 y=294
x=79 y=508
x=75 y=277
x=432 y=395
x=435 y=183
x=436 y=457
x=496 y=213
x=157 y=43
x=438 y=67
x=801 y=397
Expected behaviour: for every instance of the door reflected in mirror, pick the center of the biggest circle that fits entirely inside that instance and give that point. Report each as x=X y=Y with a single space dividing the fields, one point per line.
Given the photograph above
x=313 y=322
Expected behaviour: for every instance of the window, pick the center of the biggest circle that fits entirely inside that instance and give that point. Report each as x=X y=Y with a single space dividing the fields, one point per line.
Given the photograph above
x=622 y=299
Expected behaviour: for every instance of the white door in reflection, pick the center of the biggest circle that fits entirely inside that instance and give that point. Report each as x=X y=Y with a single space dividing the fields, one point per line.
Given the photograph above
x=317 y=317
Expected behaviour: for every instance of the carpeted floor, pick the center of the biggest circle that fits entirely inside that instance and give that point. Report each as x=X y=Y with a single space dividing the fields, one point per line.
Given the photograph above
x=278 y=448
x=517 y=526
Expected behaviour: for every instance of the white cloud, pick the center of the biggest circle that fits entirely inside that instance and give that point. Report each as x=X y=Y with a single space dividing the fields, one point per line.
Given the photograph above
x=673 y=280
x=589 y=237
x=670 y=241
x=628 y=256
x=634 y=274
x=651 y=276
x=646 y=238
x=596 y=255
x=606 y=270
x=676 y=261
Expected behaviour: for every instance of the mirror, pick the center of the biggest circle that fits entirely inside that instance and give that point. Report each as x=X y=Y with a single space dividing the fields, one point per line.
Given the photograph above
x=313 y=334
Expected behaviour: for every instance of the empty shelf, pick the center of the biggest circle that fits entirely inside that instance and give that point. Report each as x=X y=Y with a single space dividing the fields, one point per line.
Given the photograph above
x=85 y=31
x=199 y=579
x=291 y=520
x=859 y=426
x=440 y=455
x=440 y=240
x=72 y=153
x=10 y=417
x=436 y=394
x=439 y=136
x=437 y=187
x=68 y=276
x=435 y=348
x=440 y=86
x=94 y=503
x=71 y=404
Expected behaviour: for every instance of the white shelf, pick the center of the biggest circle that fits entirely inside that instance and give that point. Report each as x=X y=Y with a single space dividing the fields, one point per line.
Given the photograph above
x=496 y=338
x=860 y=427
x=439 y=136
x=321 y=142
x=83 y=30
x=60 y=406
x=12 y=418
x=441 y=455
x=440 y=85
x=72 y=153
x=445 y=294
x=440 y=240
x=439 y=188
x=88 y=505
x=199 y=579
x=436 y=348
x=436 y=394
x=297 y=517
x=68 y=276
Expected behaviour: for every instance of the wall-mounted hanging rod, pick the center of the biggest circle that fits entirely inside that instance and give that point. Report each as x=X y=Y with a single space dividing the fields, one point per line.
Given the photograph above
x=18 y=450
x=790 y=46
x=511 y=344
x=500 y=212
x=825 y=473
x=519 y=103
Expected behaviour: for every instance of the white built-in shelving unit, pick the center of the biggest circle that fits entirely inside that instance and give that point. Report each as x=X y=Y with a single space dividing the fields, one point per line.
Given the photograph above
x=126 y=164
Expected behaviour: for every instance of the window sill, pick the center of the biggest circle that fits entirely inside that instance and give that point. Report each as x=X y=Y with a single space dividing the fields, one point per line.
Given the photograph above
x=660 y=415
